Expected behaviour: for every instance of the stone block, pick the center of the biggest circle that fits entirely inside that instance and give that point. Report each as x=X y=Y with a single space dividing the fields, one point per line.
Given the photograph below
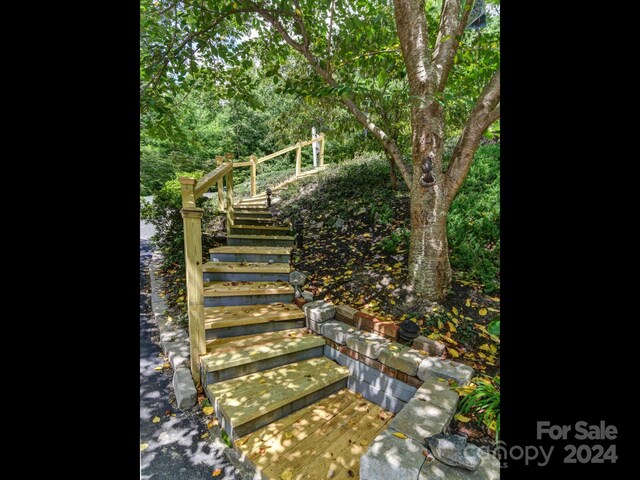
x=336 y=331
x=419 y=420
x=489 y=469
x=438 y=392
x=184 y=388
x=432 y=347
x=368 y=344
x=447 y=369
x=345 y=313
x=319 y=311
x=392 y=458
x=401 y=357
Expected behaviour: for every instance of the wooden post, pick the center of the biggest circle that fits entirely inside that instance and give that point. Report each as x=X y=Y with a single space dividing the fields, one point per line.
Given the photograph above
x=229 y=201
x=219 y=159
x=253 y=159
x=298 y=160
x=322 y=150
x=192 y=218
x=314 y=147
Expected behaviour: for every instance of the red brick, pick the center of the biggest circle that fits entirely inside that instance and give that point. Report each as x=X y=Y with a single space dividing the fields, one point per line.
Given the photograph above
x=388 y=371
x=347 y=320
x=403 y=377
x=414 y=381
x=299 y=301
x=364 y=321
x=370 y=362
x=388 y=329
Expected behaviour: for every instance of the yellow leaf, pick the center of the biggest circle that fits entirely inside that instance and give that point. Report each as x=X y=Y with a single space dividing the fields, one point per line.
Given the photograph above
x=166 y=365
x=461 y=418
x=156 y=420
x=393 y=302
x=216 y=472
x=288 y=435
x=287 y=474
x=208 y=410
x=482 y=312
x=455 y=321
x=144 y=446
x=467 y=303
x=263 y=381
x=453 y=352
x=157 y=369
x=485 y=347
x=452 y=327
x=363 y=443
x=493 y=349
x=495 y=299
x=423 y=352
x=440 y=325
x=454 y=310
x=399 y=435
x=204 y=435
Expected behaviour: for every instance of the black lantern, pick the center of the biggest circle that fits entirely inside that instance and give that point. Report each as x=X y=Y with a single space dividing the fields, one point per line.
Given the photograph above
x=269 y=192
x=408 y=331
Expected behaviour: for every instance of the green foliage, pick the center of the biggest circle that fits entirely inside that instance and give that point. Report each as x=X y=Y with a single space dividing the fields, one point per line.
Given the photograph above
x=484 y=402
x=164 y=215
x=473 y=223
x=382 y=214
x=399 y=237
x=494 y=326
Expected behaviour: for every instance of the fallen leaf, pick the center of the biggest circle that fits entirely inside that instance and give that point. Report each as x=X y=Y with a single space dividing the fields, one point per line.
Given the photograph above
x=166 y=365
x=467 y=303
x=453 y=352
x=263 y=381
x=287 y=474
x=461 y=418
x=288 y=435
x=351 y=474
x=157 y=369
x=204 y=435
x=399 y=435
x=208 y=410
x=144 y=446
x=454 y=310
x=216 y=472
x=363 y=443
x=423 y=352
x=156 y=420
x=452 y=327
x=482 y=312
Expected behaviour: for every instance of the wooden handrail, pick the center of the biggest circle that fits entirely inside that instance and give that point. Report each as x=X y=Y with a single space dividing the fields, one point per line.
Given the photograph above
x=210 y=178
x=288 y=149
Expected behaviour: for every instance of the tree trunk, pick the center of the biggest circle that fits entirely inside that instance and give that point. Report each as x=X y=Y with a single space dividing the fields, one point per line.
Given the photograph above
x=392 y=173
x=429 y=267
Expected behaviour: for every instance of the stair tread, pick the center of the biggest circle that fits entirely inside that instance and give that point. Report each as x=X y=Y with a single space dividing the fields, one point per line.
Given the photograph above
x=261 y=237
x=262 y=250
x=254 y=348
x=246 y=267
x=237 y=315
x=224 y=289
x=246 y=398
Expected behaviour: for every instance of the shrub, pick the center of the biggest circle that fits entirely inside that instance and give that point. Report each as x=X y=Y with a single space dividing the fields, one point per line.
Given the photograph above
x=164 y=214
x=399 y=237
x=483 y=402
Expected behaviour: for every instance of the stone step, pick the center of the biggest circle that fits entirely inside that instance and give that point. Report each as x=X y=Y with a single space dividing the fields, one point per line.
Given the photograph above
x=218 y=294
x=246 y=272
x=261 y=229
x=234 y=357
x=260 y=240
x=251 y=254
x=245 y=404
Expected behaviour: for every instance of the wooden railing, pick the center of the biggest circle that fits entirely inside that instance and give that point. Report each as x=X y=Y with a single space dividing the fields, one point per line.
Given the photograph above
x=193 y=189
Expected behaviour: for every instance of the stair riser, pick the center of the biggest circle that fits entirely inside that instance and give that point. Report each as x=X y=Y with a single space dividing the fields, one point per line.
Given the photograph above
x=266 y=214
x=245 y=277
x=235 y=242
x=249 y=257
x=259 y=231
x=247 y=300
x=229 y=373
x=253 y=329
x=253 y=221
x=253 y=425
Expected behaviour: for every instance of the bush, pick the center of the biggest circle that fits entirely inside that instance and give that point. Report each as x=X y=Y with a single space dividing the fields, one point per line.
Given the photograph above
x=473 y=224
x=399 y=237
x=483 y=401
x=164 y=215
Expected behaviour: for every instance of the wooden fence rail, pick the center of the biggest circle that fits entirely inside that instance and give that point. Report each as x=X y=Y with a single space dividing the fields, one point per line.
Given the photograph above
x=191 y=190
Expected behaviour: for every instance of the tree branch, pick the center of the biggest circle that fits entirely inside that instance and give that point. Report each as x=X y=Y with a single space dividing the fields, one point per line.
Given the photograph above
x=484 y=113
x=411 y=24
x=450 y=31
x=387 y=143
